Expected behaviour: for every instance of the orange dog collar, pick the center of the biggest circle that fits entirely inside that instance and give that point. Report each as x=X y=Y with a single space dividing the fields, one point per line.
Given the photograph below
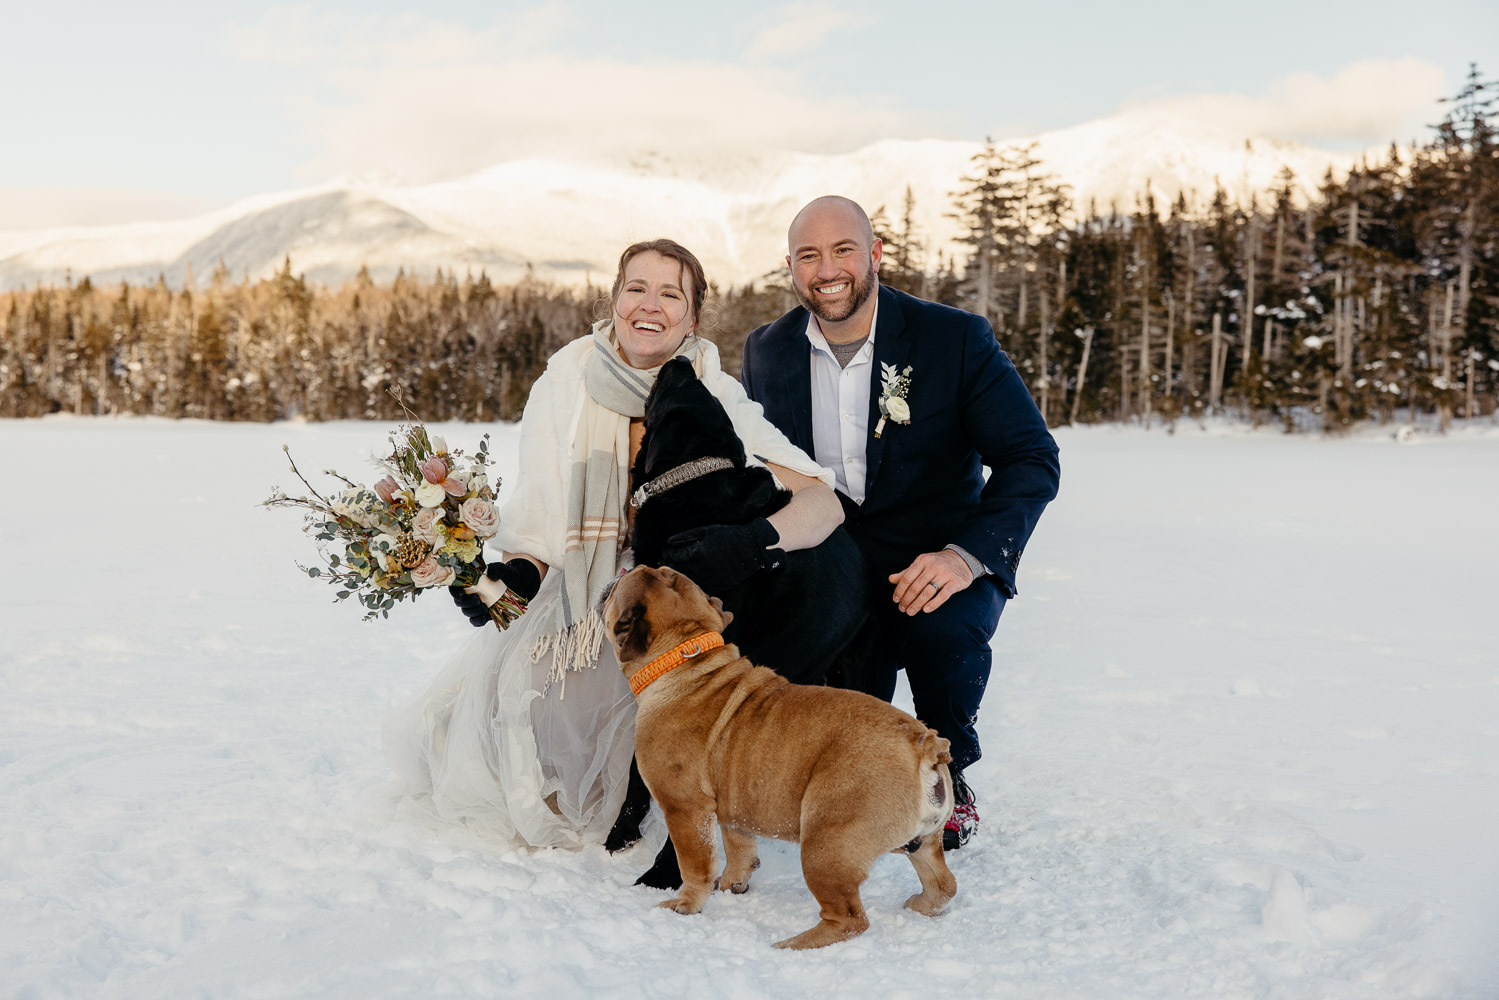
x=672 y=658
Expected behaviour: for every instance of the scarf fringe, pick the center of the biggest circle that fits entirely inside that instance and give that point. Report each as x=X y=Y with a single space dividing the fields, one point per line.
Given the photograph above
x=573 y=647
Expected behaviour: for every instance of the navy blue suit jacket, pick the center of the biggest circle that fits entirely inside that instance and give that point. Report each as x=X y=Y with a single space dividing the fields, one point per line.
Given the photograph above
x=925 y=486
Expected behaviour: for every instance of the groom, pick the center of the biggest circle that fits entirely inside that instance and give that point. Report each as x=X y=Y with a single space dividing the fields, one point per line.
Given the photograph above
x=908 y=402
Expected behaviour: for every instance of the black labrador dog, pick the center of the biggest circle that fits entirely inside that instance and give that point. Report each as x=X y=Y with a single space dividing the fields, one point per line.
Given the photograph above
x=795 y=617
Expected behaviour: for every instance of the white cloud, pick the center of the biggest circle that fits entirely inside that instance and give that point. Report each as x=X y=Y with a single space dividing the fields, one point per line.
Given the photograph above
x=422 y=98
x=426 y=99
x=301 y=35
x=41 y=208
x=795 y=29
x=1367 y=103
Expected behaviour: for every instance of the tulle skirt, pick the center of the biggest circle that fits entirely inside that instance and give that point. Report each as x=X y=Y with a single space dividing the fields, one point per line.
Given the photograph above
x=491 y=743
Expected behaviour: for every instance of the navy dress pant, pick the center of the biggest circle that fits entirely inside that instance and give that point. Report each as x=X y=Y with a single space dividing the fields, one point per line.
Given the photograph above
x=946 y=657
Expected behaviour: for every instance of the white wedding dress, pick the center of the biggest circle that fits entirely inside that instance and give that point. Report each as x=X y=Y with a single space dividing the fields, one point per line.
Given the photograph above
x=492 y=744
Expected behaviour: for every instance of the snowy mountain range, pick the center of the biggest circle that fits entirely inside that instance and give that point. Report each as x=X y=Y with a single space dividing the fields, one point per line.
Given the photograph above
x=567 y=220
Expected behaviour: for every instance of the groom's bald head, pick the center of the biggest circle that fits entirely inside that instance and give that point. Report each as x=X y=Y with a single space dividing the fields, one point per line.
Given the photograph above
x=831 y=207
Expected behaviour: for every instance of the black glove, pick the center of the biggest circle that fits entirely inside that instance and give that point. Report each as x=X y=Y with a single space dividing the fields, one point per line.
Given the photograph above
x=520 y=575
x=719 y=557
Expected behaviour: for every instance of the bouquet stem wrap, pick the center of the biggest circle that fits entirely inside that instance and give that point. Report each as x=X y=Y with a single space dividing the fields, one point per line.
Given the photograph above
x=504 y=604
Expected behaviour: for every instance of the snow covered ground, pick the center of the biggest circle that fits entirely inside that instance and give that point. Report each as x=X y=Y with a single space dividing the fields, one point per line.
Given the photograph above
x=1242 y=740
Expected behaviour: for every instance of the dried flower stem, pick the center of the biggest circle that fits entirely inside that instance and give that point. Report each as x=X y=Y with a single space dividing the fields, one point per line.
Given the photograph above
x=299 y=475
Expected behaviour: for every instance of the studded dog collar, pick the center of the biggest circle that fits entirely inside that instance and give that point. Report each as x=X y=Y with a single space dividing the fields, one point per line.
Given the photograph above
x=684 y=473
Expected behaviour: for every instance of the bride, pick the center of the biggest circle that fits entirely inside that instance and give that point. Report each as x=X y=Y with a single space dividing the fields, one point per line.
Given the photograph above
x=529 y=733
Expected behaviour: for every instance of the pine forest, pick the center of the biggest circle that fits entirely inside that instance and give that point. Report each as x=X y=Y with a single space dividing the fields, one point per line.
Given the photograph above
x=1378 y=300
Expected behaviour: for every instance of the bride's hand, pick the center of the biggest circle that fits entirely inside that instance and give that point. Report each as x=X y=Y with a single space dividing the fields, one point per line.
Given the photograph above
x=520 y=576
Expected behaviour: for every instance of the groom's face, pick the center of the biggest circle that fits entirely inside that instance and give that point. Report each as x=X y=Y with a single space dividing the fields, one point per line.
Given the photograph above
x=834 y=263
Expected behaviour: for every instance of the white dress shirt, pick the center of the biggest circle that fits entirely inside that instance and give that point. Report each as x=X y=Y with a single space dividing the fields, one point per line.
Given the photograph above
x=840 y=418
x=840 y=409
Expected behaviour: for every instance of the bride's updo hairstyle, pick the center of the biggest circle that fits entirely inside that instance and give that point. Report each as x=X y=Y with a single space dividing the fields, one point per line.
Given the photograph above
x=695 y=286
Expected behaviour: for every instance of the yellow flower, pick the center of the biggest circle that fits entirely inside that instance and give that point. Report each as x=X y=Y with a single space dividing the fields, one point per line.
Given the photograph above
x=465 y=550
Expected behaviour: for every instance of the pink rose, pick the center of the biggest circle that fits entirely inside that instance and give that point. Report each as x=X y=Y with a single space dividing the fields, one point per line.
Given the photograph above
x=387 y=489
x=480 y=515
x=424 y=526
x=431 y=573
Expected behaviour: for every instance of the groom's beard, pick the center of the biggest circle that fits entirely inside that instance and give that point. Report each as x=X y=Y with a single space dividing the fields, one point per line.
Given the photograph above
x=863 y=288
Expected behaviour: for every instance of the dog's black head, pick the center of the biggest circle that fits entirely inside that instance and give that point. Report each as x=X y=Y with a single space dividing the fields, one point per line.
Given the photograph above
x=683 y=422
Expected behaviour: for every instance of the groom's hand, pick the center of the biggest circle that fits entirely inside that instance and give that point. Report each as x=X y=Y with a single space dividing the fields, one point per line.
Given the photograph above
x=930 y=580
x=719 y=557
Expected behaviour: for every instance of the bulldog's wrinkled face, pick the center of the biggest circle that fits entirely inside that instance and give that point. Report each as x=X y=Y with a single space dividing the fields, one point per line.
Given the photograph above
x=657 y=607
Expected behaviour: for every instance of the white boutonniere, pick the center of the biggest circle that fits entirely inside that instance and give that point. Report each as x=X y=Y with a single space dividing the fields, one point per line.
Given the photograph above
x=893 y=389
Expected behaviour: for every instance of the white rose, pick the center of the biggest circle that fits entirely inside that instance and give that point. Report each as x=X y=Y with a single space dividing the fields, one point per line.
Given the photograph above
x=477 y=481
x=481 y=516
x=343 y=504
x=358 y=506
x=430 y=494
x=898 y=410
x=431 y=573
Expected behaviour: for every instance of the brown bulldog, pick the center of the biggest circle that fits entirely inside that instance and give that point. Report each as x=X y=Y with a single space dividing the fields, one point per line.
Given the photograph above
x=843 y=773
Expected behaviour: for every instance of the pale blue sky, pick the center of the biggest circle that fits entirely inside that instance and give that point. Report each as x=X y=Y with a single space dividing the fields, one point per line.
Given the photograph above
x=151 y=109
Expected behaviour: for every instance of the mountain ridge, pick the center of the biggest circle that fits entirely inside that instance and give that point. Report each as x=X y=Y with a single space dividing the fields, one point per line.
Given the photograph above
x=565 y=220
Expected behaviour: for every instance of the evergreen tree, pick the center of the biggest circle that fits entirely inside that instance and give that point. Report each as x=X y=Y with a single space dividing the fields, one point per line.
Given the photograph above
x=1379 y=295
x=1463 y=173
x=903 y=263
x=983 y=206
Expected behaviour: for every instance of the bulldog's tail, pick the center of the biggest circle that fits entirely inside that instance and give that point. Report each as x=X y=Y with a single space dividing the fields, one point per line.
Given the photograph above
x=936 y=782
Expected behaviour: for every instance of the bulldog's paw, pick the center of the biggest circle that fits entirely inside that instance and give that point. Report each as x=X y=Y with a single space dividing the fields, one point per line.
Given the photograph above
x=738 y=882
x=927 y=903
x=682 y=905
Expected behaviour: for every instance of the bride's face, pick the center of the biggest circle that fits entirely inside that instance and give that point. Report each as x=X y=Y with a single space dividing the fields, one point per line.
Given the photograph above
x=653 y=311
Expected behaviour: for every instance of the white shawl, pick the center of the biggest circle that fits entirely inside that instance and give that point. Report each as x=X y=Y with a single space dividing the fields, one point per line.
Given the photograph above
x=534 y=515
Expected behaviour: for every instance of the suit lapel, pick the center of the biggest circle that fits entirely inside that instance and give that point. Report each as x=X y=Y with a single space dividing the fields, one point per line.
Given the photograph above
x=795 y=373
x=892 y=345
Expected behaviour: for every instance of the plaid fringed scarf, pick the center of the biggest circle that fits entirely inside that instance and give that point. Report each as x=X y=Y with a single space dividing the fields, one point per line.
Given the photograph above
x=598 y=487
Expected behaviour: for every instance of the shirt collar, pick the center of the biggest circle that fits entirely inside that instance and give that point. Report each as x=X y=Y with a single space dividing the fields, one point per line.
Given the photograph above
x=820 y=342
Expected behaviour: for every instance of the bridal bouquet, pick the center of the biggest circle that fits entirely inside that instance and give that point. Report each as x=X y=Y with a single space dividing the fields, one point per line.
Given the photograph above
x=421 y=525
